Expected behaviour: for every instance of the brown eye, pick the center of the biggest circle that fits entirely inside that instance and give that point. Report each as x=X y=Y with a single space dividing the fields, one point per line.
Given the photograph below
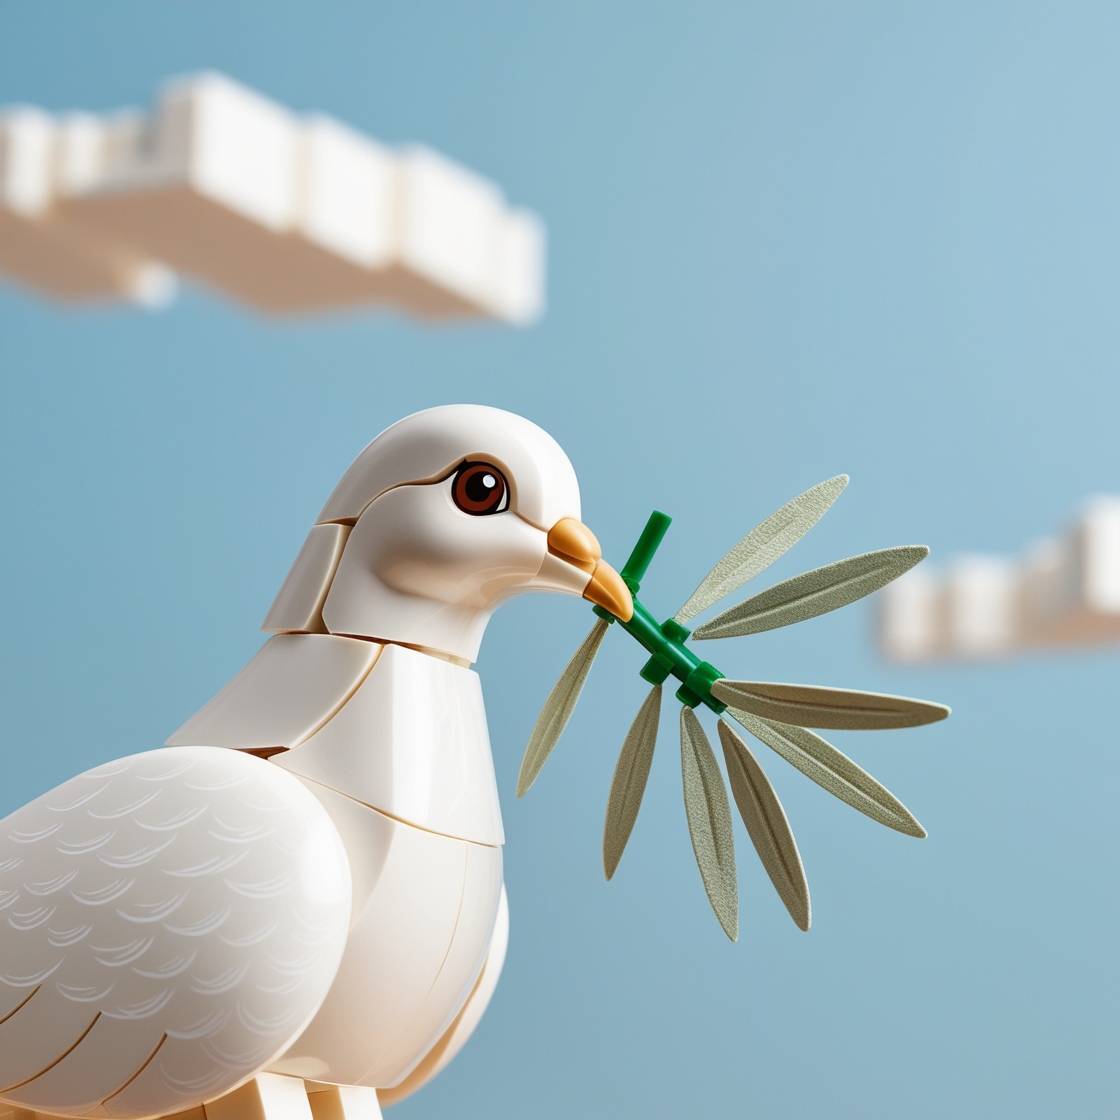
x=480 y=488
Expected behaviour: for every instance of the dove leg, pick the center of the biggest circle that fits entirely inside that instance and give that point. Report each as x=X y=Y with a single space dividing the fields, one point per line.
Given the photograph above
x=344 y=1102
x=268 y=1096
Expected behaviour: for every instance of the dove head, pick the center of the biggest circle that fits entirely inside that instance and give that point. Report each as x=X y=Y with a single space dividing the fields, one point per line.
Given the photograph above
x=440 y=519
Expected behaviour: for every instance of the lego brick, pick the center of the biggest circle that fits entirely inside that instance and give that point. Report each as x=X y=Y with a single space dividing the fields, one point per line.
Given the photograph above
x=344 y=1102
x=462 y=1027
x=268 y=1096
x=411 y=742
x=293 y=685
x=298 y=606
x=395 y=954
x=38 y=247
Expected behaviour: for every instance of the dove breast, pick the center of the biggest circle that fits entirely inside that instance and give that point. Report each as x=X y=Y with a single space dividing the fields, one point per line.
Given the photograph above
x=169 y=923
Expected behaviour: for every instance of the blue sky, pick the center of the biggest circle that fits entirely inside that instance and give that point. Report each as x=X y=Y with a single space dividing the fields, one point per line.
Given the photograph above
x=787 y=240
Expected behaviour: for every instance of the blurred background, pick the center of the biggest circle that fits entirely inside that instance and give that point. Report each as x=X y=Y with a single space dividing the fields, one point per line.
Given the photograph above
x=785 y=241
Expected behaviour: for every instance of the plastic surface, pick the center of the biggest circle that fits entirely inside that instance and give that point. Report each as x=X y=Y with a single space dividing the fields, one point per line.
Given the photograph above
x=172 y=921
x=344 y=1102
x=463 y=1025
x=37 y=245
x=411 y=742
x=267 y=1097
x=291 y=687
x=289 y=215
x=413 y=956
x=299 y=603
x=427 y=445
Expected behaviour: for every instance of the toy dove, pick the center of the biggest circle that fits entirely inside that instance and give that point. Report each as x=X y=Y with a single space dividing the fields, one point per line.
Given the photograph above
x=295 y=908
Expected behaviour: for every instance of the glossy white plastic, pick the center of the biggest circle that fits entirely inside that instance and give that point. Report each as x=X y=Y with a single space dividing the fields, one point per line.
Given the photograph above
x=298 y=606
x=267 y=1096
x=343 y=1102
x=463 y=1025
x=416 y=570
x=187 y=902
x=411 y=742
x=37 y=245
x=413 y=956
x=291 y=687
x=426 y=445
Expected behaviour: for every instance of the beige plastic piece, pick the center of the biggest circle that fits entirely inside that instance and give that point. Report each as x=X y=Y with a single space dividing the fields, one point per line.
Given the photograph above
x=411 y=961
x=291 y=687
x=268 y=1096
x=412 y=743
x=299 y=604
x=456 y=1035
x=344 y=1102
x=37 y=246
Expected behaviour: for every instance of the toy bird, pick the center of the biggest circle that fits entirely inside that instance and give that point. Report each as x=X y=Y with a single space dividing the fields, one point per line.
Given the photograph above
x=295 y=909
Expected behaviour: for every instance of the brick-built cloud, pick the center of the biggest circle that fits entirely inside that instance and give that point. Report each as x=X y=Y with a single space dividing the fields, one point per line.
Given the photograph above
x=1063 y=592
x=287 y=214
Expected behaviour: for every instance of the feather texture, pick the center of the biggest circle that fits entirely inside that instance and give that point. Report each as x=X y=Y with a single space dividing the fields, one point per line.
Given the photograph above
x=170 y=922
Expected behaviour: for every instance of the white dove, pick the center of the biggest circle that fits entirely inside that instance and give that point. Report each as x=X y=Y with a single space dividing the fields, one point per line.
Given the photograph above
x=311 y=922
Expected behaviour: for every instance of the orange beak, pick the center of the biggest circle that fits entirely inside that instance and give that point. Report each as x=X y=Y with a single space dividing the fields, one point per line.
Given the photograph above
x=574 y=542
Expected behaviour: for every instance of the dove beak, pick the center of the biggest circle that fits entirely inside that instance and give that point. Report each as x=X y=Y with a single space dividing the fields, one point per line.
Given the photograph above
x=572 y=541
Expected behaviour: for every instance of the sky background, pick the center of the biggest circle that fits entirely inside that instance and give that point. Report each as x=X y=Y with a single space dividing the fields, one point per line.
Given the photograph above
x=786 y=241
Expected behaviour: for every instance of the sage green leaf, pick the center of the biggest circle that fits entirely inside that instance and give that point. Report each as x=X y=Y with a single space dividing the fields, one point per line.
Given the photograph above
x=839 y=708
x=629 y=781
x=766 y=823
x=813 y=593
x=558 y=708
x=831 y=770
x=763 y=545
x=709 y=822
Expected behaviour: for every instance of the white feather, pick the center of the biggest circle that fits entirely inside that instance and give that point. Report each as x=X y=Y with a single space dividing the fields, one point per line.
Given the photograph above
x=169 y=924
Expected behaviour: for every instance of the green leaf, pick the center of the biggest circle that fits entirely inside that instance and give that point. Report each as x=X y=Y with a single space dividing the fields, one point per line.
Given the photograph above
x=763 y=545
x=831 y=770
x=558 y=708
x=813 y=593
x=709 y=822
x=766 y=823
x=629 y=781
x=839 y=708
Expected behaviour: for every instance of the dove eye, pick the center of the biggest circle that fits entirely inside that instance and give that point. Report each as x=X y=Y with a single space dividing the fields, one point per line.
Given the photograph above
x=480 y=488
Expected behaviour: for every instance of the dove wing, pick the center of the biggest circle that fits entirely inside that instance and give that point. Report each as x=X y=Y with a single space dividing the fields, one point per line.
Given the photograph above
x=169 y=924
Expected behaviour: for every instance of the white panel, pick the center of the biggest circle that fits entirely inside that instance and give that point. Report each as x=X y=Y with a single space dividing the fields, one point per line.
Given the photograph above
x=451 y=226
x=267 y=1097
x=350 y=193
x=412 y=742
x=293 y=685
x=299 y=603
x=344 y=1102
x=393 y=956
x=482 y=893
x=27 y=141
x=462 y=1027
x=981 y=604
x=236 y=146
x=366 y=834
x=1100 y=534
x=909 y=621
x=521 y=264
